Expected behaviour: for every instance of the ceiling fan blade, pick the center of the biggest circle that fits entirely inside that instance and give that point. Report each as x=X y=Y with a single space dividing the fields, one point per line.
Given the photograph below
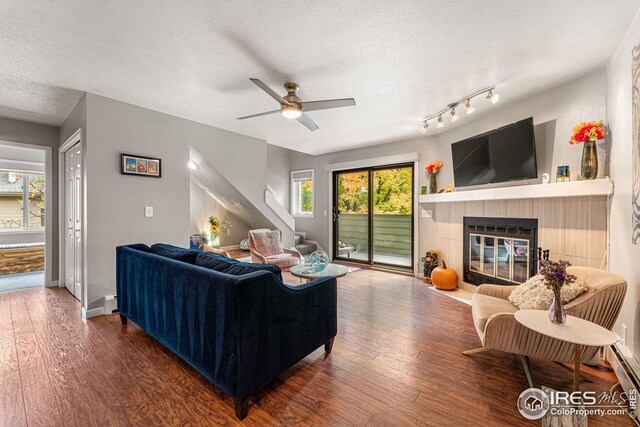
x=258 y=115
x=327 y=104
x=272 y=93
x=307 y=122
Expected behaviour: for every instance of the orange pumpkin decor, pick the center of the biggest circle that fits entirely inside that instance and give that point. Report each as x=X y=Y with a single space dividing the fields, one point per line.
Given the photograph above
x=444 y=278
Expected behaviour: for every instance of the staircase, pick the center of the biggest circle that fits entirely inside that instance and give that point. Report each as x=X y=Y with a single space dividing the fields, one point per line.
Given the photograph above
x=244 y=193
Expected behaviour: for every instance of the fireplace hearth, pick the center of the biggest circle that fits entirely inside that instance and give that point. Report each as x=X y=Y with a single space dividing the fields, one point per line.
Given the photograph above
x=500 y=251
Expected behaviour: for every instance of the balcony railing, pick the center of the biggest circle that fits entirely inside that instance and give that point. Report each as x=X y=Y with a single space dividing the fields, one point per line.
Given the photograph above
x=391 y=237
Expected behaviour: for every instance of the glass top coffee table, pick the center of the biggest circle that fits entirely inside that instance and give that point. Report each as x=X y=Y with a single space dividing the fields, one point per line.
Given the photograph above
x=304 y=271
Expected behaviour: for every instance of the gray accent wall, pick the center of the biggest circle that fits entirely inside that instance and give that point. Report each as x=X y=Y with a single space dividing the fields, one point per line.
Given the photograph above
x=116 y=202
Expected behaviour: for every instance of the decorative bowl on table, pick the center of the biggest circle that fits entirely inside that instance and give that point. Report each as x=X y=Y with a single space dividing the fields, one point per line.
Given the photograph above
x=318 y=260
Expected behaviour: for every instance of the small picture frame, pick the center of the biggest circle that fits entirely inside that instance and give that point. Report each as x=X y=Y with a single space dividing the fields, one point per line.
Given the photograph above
x=131 y=164
x=423 y=190
x=563 y=174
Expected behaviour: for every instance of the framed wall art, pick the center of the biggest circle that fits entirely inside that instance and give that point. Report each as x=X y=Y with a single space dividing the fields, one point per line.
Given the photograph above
x=131 y=164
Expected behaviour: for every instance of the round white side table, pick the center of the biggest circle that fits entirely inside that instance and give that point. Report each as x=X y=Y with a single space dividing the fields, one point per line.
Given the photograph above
x=304 y=271
x=575 y=330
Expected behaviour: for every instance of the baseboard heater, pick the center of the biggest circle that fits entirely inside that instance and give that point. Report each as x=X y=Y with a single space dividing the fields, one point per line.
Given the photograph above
x=626 y=368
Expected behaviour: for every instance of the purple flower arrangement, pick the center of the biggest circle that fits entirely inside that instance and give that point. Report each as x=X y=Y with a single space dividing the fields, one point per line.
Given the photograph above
x=555 y=275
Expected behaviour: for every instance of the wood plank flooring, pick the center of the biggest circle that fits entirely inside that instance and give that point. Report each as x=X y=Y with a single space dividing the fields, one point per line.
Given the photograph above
x=396 y=361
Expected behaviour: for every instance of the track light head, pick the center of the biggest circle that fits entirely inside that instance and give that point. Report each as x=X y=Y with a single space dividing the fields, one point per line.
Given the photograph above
x=454 y=115
x=468 y=106
x=493 y=97
x=424 y=126
x=440 y=122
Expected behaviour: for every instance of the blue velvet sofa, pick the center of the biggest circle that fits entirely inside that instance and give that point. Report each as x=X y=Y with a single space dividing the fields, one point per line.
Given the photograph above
x=239 y=330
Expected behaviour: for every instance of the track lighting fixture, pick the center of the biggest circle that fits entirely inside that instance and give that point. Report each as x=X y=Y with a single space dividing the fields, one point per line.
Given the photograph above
x=469 y=108
x=493 y=97
x=451 y=108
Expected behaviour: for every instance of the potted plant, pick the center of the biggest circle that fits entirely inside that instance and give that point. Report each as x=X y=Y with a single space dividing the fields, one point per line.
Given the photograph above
x=433 y=168
x=588 y=133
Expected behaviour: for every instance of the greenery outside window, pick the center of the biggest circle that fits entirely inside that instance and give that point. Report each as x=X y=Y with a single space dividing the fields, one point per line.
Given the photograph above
x=21 y=200
x=302 y=193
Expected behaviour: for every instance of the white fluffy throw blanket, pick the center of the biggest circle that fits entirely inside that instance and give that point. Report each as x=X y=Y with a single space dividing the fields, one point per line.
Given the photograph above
x=534 y=295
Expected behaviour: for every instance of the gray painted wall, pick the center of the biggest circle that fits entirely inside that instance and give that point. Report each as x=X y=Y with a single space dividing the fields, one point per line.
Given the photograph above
x=47 y=136
x=554 y=113
x=115 y=205
x=279 y=173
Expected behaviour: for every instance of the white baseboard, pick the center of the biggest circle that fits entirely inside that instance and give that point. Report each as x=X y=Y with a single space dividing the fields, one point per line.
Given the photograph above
x=88 y=314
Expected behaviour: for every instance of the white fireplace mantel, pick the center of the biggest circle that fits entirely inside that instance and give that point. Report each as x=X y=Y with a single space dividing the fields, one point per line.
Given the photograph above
x=596 y=187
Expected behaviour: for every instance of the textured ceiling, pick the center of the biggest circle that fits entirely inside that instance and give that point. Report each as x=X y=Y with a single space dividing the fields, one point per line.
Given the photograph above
x=400 y=60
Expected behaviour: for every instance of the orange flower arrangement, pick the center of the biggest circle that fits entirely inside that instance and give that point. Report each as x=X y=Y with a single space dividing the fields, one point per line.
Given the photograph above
x=434 y=167
x=583 y=132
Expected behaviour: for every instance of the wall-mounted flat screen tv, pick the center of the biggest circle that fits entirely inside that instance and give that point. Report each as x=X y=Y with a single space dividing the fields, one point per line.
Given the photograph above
x=504 y=154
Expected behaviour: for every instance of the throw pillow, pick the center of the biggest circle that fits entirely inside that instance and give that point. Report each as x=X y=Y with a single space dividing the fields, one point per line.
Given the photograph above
x=534 y=295
x=174 y=252
x=232 y=266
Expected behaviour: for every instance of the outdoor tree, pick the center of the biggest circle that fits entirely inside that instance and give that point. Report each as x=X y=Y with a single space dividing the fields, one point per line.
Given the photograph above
x=391 y=192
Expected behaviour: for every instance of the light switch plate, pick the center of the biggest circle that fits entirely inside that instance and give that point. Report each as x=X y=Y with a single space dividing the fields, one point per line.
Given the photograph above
x=148 y=212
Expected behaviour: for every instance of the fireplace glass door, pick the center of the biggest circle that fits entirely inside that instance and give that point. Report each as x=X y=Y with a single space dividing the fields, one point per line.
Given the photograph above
x=500 y=257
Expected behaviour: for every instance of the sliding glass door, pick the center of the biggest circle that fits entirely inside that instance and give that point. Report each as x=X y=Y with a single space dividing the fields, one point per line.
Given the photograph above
x=351 y=215
x=373 y=215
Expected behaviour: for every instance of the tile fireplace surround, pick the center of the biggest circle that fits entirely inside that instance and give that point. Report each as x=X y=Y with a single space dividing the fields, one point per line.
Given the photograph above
x=572 y=228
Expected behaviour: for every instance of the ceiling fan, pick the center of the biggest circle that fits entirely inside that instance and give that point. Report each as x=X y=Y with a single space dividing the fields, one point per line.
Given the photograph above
x=292 y=106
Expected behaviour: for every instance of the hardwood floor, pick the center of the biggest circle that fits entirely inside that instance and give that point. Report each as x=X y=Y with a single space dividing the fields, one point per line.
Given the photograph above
x=396 y=361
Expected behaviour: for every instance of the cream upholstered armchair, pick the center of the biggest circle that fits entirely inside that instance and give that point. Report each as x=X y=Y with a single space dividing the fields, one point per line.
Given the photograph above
x=493 y=317
x=266 y=248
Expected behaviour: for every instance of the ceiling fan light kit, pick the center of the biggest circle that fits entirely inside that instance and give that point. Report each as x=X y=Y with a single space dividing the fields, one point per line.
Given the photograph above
x=292 y=106
x=451 y=108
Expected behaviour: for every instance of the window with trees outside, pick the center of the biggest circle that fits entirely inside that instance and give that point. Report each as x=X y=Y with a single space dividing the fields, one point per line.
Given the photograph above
x=21 y=200
x=302 y=193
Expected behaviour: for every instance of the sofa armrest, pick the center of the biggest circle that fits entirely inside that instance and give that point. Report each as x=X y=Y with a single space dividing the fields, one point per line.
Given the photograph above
x=293 y=252
x=279 y=325
x=496 y=291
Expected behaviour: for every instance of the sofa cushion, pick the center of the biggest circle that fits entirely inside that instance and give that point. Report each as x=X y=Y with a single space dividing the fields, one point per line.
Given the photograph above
x=232 y=266
x=484 y=306
x=534 y=294
x=174 y=252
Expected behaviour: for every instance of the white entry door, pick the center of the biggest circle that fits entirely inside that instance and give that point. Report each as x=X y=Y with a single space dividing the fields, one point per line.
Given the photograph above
x=73 y=211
